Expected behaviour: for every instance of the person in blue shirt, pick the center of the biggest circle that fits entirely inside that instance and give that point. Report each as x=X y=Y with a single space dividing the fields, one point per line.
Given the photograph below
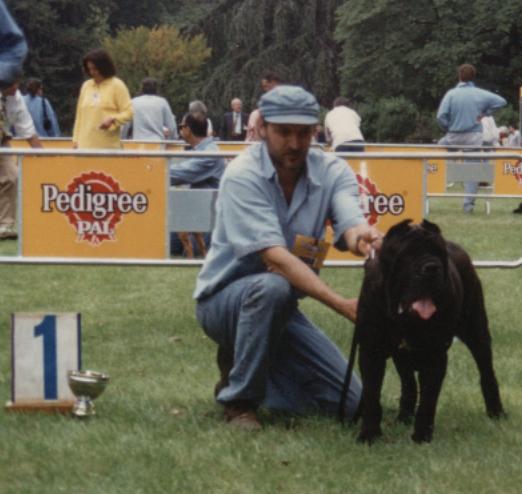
x=153 y=119
x=266 y=248
x=42 y=113
x=460 y=113
x=197 y=173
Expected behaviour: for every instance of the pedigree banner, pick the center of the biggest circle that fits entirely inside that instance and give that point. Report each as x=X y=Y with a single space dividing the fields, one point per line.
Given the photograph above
x=391 y=191
x=436 y=168
x=508 y=176
x=93 y=207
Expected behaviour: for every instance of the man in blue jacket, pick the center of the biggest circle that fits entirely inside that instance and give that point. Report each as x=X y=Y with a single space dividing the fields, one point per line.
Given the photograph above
x=459 y=114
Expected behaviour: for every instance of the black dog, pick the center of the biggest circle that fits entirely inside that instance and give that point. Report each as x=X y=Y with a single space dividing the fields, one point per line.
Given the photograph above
x=418 y=293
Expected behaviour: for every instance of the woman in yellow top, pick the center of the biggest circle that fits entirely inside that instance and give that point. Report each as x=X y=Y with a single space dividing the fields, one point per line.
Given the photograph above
x=104 y=104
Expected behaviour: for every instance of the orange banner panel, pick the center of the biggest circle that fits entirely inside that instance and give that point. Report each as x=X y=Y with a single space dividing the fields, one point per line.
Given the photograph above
x=508 y=175
x=46 y=143
x=232 y=146
x=436 y=177
x=391 y=191
x=141 y=146
x=93 y=207
x=175 y=147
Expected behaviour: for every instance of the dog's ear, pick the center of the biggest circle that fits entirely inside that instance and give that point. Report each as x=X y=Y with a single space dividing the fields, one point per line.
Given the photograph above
x=392 y=243
x=391 y=246
x=398 y=229
x=430 y=227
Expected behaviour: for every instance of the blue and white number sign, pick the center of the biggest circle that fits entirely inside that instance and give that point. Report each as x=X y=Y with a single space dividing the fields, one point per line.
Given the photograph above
x=44 y=348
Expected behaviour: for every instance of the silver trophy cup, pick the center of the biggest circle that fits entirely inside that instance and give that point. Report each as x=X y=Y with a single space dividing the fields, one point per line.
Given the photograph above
x=86 y=385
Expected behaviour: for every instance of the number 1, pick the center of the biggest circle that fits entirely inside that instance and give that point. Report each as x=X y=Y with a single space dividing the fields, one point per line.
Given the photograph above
x=47 y=329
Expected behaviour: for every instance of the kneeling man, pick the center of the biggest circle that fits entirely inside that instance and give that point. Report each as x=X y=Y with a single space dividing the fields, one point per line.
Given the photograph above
x=273 y=204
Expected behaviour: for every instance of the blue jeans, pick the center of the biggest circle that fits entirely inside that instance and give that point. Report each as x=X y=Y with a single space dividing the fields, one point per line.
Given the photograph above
x=467 y=139
x=282 y=361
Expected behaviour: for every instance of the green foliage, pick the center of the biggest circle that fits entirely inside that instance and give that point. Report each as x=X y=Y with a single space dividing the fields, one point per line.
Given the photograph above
x=397 y=119
x=507 y=116
x=389 y=119
x=133 y=13
x=187 y=13
x=411 y=48
x=159 y=52
x=249 y=37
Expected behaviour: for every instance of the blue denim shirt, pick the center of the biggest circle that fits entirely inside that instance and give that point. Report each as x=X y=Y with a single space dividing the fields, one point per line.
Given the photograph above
x=463 y=106
x=13 y=47
x=252 y=213
x=200 y=173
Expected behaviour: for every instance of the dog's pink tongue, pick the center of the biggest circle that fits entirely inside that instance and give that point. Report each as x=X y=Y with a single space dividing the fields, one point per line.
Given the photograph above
x=425 y=308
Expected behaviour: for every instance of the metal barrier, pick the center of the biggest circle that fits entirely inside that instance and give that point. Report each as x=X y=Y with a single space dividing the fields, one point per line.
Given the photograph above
x=204 y=204
x=64 y=261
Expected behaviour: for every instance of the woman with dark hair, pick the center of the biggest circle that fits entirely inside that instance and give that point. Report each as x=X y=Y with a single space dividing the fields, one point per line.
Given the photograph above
x=42 y=113
x=104 y=104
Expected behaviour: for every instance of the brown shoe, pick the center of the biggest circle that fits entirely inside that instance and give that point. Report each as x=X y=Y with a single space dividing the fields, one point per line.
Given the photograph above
x=225 y=362
x=242 y=417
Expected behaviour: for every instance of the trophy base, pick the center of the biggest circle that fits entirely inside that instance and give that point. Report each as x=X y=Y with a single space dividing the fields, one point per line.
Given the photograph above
x=47 y=406
x=83 y=408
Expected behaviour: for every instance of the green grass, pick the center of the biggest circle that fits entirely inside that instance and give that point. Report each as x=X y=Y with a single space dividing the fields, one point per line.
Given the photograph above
x=159 y=430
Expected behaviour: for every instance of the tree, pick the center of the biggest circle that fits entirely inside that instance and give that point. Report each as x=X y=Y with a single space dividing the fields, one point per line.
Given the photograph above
x=248 y=37
x=134 y=13
x=163 y=53
x=411 y=48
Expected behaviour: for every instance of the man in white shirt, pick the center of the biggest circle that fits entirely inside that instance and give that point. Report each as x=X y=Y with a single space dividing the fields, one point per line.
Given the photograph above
x=13 y=114
x=342 y=127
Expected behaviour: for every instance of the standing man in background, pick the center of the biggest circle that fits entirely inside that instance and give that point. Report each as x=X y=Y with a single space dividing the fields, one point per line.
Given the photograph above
x=197 y=107
x=342 y=127
x=153 y=118
x=460 y=113
x=234 y=125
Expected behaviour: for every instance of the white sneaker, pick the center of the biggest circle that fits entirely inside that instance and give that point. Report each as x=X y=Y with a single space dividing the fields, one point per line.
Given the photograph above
x=7 y=232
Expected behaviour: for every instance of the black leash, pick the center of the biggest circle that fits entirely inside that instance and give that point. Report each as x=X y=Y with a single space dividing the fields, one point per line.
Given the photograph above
x=348 y=376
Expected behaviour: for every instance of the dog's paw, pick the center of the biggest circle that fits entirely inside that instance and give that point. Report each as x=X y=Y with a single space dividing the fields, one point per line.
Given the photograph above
x=424 y=436
x=369 y=436
x=497 y=414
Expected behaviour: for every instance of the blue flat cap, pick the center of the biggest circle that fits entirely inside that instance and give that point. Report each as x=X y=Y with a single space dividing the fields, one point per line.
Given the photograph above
x=289 y=105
